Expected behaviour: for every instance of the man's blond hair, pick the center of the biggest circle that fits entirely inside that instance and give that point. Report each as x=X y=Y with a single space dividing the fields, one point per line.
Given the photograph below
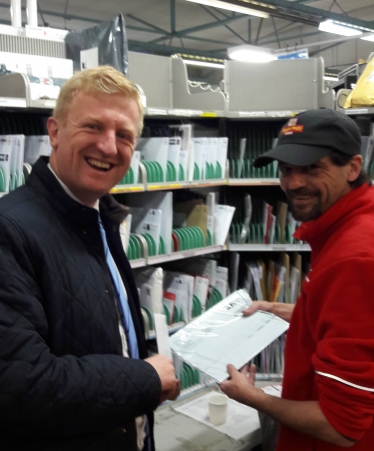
x=101 y=79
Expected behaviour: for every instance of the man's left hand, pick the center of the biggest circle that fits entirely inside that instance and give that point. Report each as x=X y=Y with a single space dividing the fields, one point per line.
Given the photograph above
x=240 y=385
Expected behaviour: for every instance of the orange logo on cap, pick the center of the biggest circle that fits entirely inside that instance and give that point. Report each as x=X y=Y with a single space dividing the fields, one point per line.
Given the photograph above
x=289 y=129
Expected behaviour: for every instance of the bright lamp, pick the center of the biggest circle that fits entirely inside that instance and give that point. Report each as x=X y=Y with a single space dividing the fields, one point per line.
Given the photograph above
x=232 y=7
x=368 y=38
x=250 y=53
x=330 y=26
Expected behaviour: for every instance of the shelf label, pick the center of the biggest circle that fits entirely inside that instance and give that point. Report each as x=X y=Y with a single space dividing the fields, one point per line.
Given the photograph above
x=188 y=254
x=156 y=111
x=13 y=101
x=185 y=112
x=208 y=114
x=356 y=111
x=126 y=189
x=252 y=113
x=169 y=186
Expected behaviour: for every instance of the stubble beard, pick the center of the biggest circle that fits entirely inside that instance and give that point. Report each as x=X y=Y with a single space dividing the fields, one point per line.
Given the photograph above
x=305 y=215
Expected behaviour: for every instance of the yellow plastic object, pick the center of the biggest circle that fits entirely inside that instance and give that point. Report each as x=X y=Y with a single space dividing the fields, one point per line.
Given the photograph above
x=363 y=93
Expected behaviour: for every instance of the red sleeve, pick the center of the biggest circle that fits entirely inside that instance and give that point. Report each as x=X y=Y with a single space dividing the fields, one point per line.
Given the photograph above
x=342 y=318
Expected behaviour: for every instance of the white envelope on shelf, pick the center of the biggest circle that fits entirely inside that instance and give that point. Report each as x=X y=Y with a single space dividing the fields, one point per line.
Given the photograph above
x=184 y=131
x=150 y=284
x=210 y=223
x=190 y=161
x=221 y=160
x=135 y=165
x=183 y=165
x=13 y=182
x=211 y=156
x=201 y=289
x=124 y=231
x=154 y=149
x=161 y=200
x=35 y=147
x=147 y=221
x=223 y=215
x=5 y=161
x=182 y=286
x=222 y=280
x=199 y=266
x=200 y=156
x=19 y=144
x=174 y=154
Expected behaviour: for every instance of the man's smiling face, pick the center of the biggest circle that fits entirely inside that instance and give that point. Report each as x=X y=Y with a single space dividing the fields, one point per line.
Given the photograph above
x=313 y=189
x=93 y=146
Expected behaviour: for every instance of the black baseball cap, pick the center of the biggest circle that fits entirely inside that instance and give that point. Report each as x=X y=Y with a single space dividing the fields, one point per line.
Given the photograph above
x=312 y=135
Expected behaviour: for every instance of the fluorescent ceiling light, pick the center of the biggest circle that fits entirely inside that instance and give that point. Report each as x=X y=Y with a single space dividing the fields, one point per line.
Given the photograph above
x=204 y=64
x=330 y=26
x=368 y=38
x=251 y=53
x=330 y=78
x=232 y=7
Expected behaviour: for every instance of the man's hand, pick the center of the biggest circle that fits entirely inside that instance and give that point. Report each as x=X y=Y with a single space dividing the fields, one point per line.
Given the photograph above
x=280 y=309
x=240 y=385
x=265 y=306
x=303 y=416
x=169 y=383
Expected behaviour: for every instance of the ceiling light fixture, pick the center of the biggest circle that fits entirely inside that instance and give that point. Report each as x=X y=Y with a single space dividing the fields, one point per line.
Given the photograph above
x=232 y=7
x=330 y=26
x=251 y=53
x=368 y=38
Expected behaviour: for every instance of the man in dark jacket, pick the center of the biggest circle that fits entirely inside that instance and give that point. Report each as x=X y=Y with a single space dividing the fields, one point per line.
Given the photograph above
x=74 y=372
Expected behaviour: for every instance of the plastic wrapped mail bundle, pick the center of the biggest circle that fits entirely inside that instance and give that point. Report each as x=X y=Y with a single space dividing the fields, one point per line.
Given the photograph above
x=104 y=43
x=222 y=335
x=363 y=94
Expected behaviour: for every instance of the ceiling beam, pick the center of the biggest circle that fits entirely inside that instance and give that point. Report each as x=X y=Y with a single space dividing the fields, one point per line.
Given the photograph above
x=147 y=24
x=168 y=50
x=276 y=32
x=291 y=38
x=186 y=33
x=319 y=51
x=289 y=7
x=172 y=17
x=304 y=1
x=226 y=26
x=192 y=38
x=258 y=31
x=53 y=14
x=218 y=23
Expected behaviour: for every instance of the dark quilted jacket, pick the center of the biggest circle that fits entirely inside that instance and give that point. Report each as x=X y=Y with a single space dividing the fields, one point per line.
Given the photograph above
x=63 y=382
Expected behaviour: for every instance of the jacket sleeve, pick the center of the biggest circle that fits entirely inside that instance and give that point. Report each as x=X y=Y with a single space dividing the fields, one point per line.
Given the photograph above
x=41 y=394
x=342 y=318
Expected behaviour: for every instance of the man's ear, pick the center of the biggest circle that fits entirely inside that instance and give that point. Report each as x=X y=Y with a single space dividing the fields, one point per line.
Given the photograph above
x=53 y=127
x=354 y=167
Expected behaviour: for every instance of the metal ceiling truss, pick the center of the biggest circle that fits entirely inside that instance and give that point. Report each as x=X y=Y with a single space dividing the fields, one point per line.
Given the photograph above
x=296 y=11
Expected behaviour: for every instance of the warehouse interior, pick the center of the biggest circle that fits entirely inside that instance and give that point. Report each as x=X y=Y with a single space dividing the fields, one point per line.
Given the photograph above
x=196 y=30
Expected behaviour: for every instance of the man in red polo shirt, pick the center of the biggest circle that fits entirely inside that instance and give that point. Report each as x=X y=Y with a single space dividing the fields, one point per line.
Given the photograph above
x=328 y=388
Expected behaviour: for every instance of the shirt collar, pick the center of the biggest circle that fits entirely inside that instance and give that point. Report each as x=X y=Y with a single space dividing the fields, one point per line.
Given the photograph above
x=67 y=190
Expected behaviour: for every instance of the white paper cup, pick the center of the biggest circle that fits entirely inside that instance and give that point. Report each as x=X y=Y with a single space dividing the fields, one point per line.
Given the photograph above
x=217 y=405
